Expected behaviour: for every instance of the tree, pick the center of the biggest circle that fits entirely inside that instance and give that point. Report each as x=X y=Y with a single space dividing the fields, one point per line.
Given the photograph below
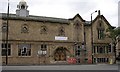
x=113 y=33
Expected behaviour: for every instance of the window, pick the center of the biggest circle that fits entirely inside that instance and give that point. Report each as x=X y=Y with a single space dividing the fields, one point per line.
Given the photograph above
x=24 y=29
x=104 y=49
x=100 y=49
x=97 y=49
x=77 y=24
x=94 y=49
x=61 y=31
x=77 y=51
x=109 y=48
x=4 y=46
x=4 y=27
x=100 y=28
x=100 y=34
x=22 y=6
x=24 y=50
x=102 y=60
x=43 y=30
x=43 y=47
x=94 y=60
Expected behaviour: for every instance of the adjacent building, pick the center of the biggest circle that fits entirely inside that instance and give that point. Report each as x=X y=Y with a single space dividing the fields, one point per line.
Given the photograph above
x=38 y=40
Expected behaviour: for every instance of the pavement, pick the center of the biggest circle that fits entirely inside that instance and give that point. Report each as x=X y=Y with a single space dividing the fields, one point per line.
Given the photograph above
x=63 y=67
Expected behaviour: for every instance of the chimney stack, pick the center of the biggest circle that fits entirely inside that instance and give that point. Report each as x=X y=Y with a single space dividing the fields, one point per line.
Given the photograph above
x=98 y=12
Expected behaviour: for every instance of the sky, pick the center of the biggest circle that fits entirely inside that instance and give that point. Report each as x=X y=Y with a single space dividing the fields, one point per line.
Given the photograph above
x=68 y=8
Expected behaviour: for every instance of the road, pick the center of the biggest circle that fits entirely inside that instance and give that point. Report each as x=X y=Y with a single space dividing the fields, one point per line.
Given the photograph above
x=62 y=68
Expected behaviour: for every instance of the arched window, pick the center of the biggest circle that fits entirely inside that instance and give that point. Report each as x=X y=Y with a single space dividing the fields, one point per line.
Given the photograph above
x=61 y=31
x=77 y=28
x=100 y=29
x=77 y=24
x=22 y=6
x=24 y=50
x=24 y=29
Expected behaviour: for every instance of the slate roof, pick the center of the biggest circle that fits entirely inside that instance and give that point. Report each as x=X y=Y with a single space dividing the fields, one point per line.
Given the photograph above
x=35 y=18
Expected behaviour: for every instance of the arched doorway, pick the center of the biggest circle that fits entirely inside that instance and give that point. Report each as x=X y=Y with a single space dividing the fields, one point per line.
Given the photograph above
x=60 y=54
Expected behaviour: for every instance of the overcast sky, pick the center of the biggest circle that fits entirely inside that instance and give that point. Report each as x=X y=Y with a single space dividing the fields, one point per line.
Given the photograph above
x=68 y=8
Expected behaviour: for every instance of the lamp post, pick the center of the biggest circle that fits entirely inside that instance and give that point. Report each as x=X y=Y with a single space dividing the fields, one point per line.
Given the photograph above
x=92 y=34
x=7 y=28
x=42 y=53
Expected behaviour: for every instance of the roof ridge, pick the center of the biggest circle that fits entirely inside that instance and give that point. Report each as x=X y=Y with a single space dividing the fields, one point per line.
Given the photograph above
x=47 y=17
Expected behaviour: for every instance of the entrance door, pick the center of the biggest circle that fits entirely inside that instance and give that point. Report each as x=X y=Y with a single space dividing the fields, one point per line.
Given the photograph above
x=60 y=54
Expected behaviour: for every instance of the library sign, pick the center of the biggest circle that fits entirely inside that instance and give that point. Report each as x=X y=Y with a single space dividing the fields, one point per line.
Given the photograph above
x=61 y=38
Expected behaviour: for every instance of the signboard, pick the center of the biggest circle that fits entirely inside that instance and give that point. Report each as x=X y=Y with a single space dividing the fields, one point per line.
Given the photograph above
x=61 y=38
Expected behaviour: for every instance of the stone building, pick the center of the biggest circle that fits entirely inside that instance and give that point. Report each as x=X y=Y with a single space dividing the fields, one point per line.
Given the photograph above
x=46 y=40
x=118 y=46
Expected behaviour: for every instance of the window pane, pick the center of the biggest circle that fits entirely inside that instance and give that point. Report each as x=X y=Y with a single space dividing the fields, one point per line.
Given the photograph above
x=45 y=46
x=100 y=34
x=94 y=49
x=9 y=52
x=42 y=46
x=3 y=52
x=4 y=45
x=97 y=49
x=109 y=48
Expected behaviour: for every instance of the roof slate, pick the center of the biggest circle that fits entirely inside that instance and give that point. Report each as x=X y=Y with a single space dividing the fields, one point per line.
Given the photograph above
x=35 y=18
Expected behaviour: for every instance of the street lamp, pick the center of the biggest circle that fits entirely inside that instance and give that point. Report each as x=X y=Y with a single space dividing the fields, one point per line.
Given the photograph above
x=91 y=15
x=41 y=53
x=7 y=34
x=92 y=35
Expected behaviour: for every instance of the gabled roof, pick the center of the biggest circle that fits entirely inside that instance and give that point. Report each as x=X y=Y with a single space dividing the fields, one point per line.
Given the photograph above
x=77 y=15
x=102 y=17
x=35 y=18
